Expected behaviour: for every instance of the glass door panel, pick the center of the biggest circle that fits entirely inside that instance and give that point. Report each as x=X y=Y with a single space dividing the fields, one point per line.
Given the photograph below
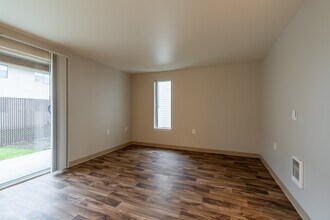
x=25 y=121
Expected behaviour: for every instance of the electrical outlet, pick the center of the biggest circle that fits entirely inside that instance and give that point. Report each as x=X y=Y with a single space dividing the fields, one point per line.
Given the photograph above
x=126 y=129
x=275 y=146
x=193 y=131
x=108 y=131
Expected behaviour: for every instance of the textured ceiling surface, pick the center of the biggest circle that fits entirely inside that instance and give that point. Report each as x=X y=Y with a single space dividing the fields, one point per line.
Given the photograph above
x=155 y=35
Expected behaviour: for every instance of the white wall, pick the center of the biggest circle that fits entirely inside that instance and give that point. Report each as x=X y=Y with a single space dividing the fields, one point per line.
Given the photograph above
x=221 y=103
x=296 y=76
x=99 y=99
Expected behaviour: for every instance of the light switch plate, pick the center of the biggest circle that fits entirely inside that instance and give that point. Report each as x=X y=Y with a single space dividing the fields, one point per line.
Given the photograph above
x=294 y=116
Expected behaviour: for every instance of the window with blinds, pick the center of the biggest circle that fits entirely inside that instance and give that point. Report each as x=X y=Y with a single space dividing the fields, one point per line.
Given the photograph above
x=163 y=102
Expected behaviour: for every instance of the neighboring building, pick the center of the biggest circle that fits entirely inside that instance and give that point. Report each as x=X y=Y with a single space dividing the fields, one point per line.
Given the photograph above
x=20 y=82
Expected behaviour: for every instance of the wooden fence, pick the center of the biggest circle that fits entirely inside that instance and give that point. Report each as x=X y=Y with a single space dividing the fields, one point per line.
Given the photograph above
x=24 y=120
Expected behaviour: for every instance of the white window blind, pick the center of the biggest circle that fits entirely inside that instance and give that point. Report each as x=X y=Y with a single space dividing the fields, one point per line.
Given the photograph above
x=19 y=49
x=20 y=54
x=163 y=104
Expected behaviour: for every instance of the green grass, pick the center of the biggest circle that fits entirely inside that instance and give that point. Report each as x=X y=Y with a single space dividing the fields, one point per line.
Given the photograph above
x=7 y=153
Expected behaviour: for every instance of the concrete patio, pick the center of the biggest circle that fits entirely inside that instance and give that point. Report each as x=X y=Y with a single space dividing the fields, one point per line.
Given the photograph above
x=18 y=167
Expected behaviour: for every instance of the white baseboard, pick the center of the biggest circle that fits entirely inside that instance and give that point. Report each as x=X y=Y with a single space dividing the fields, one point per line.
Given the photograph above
x=87 y=158
x=293 y=201
x=204 y=150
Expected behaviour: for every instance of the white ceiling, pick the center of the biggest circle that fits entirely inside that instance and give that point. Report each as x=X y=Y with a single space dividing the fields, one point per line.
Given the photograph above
x=155 y=35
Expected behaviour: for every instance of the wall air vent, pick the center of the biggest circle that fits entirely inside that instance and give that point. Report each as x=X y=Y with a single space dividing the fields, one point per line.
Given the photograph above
x=297 y=172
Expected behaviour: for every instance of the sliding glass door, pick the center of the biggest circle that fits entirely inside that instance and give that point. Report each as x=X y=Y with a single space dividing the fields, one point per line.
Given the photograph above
x=25 y=116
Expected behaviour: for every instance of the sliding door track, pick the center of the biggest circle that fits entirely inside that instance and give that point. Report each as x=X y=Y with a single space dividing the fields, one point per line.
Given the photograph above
x=24 y=178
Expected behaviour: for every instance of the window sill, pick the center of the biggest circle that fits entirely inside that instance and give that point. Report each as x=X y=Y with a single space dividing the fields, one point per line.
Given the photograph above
x=163 y=129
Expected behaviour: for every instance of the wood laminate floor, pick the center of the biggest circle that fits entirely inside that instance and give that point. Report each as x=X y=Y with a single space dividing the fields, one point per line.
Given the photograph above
x=149 y=183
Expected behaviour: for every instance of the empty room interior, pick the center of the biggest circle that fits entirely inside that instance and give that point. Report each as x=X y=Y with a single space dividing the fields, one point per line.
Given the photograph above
x=164 y=109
